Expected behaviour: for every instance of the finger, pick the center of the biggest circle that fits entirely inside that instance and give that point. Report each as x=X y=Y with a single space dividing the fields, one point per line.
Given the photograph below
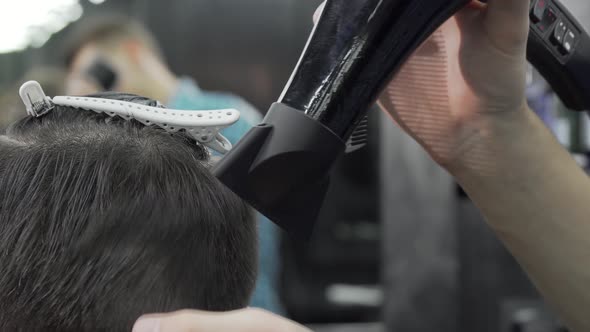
x=507 y=23
x=509 y=9
x=247 y=320
x=318 y=13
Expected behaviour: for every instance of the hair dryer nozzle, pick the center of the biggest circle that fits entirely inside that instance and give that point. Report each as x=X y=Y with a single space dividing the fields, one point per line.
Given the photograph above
x=281 y=168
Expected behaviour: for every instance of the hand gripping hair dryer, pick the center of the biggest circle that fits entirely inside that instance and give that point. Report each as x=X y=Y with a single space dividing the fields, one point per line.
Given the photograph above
x=281 y=166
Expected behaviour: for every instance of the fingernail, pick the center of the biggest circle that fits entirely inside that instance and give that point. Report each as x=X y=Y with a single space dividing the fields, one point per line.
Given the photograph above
x=147 y=325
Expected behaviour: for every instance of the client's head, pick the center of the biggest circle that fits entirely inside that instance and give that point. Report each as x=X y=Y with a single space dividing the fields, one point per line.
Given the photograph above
x=104 y=219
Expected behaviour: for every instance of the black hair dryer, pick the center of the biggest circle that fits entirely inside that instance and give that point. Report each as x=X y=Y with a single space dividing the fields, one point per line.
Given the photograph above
x=281 y=167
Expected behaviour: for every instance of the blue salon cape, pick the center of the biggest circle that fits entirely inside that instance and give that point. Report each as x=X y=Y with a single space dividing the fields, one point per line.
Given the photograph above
x=189 y=96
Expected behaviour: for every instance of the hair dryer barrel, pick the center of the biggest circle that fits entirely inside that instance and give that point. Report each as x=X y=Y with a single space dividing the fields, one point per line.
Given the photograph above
x=281 y=167
x=355 y=49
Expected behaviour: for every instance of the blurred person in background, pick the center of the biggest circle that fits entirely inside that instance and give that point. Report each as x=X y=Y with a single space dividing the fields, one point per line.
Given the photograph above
x=51 y=78
x=117 y=53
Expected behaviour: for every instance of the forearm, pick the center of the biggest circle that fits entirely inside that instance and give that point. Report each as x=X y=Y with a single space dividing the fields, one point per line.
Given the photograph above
x=535 y=196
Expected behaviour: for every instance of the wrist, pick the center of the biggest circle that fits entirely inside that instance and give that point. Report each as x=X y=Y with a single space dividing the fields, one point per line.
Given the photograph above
x=492 y=140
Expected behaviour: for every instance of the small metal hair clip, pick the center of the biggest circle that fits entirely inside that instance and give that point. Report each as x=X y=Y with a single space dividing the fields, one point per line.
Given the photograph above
x=203 y=125
x=35 y=100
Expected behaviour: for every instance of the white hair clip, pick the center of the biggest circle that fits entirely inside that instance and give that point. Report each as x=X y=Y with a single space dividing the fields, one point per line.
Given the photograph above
x=36 y=102
x=203 y=126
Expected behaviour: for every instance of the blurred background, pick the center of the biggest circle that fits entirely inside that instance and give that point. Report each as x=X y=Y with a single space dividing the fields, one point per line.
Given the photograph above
x=398 y=246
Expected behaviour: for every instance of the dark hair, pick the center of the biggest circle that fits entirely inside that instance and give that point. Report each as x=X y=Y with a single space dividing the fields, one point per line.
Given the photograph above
x=103 y=220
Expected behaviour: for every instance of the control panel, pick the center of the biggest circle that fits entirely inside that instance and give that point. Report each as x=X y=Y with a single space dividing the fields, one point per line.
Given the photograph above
x=559 y=48
x=553 y=25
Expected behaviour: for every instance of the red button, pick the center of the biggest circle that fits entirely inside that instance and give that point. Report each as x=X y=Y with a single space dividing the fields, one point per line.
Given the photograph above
x=549 y=18
x=538 y=10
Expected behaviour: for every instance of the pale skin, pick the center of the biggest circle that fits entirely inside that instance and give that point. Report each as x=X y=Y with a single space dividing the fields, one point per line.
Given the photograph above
x=139 y=70
x=527 y=186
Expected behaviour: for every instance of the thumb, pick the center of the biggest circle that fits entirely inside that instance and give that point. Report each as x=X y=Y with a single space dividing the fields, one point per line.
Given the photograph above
x=507 y=24
x=245 y=320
